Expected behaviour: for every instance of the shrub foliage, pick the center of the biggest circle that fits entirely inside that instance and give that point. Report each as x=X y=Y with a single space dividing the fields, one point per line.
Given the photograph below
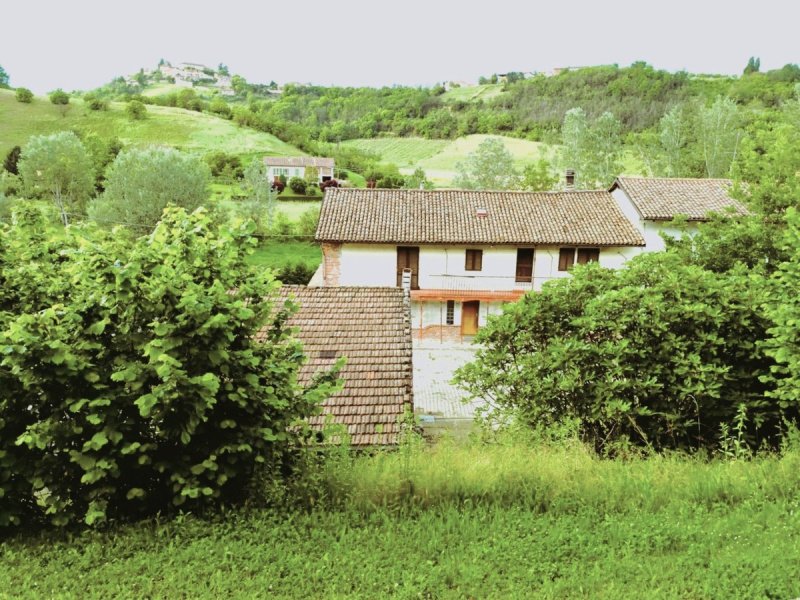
x=130 y=379
x=659 y=353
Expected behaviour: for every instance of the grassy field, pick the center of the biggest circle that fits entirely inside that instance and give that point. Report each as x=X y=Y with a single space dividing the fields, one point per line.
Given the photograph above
x=277 y=254
x=451 y=522
x=188 y=130
x=403 y=152
x=438 y=158
x=472 y=93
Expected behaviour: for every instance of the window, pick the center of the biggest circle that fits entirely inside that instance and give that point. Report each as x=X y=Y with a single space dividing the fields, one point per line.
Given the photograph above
x=451 y=311
x=566 y=258
x=281 y=171
x=474 y=260
x=524 y=264
x=586 y=255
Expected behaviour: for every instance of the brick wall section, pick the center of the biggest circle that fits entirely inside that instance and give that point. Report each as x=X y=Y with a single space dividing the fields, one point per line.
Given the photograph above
x=435 y=333
x=331 y=263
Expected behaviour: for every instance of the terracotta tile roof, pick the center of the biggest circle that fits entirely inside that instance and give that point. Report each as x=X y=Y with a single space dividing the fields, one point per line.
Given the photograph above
x=298 y=161
x=661 y=198
x=453 y=217
x=371 y=327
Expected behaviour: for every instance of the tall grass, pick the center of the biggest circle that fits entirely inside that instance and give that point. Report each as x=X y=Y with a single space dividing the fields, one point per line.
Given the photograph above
x=561 y=478
x=505 y=520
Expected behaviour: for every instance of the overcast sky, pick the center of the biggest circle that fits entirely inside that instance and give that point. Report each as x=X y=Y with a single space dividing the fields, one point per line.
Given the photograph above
x=82 y=44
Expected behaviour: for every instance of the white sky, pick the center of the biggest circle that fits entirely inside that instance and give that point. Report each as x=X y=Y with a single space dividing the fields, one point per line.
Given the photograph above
x=81 y=44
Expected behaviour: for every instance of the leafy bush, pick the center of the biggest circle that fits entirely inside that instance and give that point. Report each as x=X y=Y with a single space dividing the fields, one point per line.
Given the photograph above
x=60 y=166
x=59 y=96
x=224 y=165
x=140 y=183
x=784 y=310
x=298 y=185
x=329 y=183
x=307 y=223
x=11 y=160
x=136 y=110
x=95 y=102
x=296 y=273
x=659 y=353
x=131 y=381
x=218 y=106
x=24 y=95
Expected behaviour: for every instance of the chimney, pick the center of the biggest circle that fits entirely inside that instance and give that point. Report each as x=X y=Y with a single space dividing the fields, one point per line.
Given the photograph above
x=570 y=179
x=406 y=281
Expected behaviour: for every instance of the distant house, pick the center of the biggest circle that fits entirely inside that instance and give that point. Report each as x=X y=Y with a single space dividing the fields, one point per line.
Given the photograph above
x=295 y=166
x=468 y=252
x=651 y=203
x=370 y=328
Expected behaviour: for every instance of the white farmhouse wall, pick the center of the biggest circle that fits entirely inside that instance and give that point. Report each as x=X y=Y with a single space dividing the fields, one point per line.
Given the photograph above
x=368 y=265
x=444 y=267
x=650 y=230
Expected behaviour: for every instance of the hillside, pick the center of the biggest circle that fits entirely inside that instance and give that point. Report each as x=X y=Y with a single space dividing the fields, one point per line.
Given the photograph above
x=439 y=158
x=188 y=130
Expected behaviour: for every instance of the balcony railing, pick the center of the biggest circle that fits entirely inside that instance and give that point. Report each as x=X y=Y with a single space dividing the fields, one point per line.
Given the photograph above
x=474 y=283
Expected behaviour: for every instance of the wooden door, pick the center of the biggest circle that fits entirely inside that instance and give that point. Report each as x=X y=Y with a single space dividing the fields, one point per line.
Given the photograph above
x=469 y=317
x=408 y=258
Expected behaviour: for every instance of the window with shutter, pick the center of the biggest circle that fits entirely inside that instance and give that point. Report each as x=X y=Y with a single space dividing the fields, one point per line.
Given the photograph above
x=586 y=255
x=524 y=265
x=474 y=260
x=566 y=258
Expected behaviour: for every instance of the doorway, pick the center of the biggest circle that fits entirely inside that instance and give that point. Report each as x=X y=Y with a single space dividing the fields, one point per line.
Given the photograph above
x=469 y=317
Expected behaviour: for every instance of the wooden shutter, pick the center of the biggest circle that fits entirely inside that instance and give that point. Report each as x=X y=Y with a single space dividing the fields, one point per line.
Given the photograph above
x=474 y=260
x=586 y=255
x=566 y=258
x=524 y=265
x=408 y=258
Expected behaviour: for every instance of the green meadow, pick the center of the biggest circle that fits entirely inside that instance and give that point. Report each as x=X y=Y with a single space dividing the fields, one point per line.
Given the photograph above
x=476 y=521
x=188 y=130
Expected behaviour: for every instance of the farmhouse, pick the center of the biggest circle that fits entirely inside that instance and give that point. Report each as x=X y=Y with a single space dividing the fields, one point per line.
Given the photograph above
x=295 y=166
x=370 y=328
x=468 y=252
x=651 y=203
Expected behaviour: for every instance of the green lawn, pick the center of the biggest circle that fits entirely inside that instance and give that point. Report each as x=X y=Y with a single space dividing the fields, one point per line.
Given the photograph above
x=188 y=130
x=481 y=522
x=276 y=254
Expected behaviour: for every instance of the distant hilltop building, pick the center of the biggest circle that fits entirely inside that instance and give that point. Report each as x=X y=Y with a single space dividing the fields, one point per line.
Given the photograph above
x=188 y=74
x=559 y=70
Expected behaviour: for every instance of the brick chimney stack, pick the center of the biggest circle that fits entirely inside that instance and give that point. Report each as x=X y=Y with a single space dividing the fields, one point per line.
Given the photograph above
x=570 y=179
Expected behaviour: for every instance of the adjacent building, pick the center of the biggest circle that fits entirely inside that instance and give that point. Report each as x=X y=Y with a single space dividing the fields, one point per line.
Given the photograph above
x=295 y=166
x=652 y=203
x=370 y=328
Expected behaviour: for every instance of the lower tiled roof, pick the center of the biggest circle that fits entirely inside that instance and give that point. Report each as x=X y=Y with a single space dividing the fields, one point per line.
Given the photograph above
x=371 y=327
x=580 y=218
